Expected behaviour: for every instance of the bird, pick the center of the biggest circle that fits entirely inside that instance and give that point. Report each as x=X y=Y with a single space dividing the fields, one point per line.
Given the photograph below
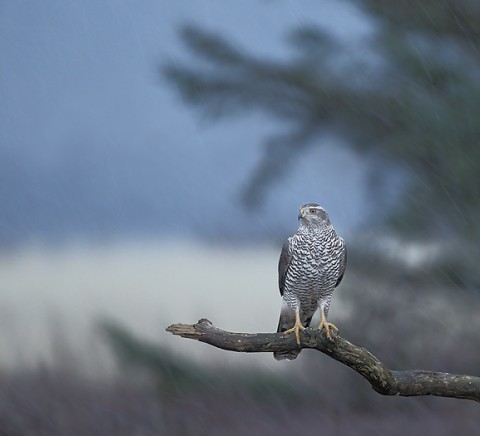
x=311 y=265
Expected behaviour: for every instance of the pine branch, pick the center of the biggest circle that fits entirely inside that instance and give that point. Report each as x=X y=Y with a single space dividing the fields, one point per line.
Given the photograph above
x=383 y=380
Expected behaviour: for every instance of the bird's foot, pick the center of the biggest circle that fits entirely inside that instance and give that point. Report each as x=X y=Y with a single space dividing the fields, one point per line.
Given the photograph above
x=324 y=324
x=296 y=328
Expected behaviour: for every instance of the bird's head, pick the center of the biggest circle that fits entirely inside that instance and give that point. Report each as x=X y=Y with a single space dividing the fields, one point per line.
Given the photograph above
x=313 y=214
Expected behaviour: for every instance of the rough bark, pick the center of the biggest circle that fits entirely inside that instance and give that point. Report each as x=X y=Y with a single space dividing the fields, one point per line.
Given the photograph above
x=383 y=380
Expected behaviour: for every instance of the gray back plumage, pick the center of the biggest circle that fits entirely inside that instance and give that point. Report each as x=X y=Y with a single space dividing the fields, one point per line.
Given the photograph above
x=283 y=264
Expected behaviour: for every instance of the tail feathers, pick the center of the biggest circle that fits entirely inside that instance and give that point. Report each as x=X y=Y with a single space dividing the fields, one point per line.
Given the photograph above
x=290 y=355
x=308 y=321
x=283 y=325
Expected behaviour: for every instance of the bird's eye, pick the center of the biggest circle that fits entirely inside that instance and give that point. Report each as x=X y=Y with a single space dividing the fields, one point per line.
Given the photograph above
x=313 y=211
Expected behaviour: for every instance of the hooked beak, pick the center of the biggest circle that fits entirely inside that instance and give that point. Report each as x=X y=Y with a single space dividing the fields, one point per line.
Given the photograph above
x=301 y=213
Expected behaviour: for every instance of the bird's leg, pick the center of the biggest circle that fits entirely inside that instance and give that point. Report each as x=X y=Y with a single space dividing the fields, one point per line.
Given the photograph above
x=297 y=326
x=324 y=324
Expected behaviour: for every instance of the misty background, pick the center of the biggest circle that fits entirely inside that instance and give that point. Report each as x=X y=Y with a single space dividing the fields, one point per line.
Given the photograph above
x=96 y=145
x=153 y=157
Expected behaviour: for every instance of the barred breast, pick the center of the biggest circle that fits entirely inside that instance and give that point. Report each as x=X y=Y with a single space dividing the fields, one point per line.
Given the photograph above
x=312 y=263
x=313 y=271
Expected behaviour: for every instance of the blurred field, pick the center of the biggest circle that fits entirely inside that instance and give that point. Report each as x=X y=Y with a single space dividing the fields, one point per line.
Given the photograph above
x=59 y=374
x=143 y=286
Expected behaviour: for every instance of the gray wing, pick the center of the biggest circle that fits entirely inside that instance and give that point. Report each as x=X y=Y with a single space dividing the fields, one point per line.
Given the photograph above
x=343 y=263
x=283 y=264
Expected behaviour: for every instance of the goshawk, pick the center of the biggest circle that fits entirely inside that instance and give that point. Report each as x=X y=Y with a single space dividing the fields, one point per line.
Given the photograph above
x=311 y=266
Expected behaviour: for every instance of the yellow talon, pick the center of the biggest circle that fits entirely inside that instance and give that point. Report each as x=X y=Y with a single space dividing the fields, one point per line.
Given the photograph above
x=297 y=327
x=324 y=324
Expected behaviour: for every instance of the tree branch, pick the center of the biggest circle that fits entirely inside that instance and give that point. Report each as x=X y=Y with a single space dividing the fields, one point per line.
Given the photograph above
x=383 y=380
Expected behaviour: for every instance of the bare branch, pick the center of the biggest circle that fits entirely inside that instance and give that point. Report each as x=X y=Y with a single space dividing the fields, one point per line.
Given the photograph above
x=382 y=379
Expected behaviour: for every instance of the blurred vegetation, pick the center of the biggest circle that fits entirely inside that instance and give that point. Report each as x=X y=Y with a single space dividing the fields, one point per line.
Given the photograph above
x=176 y=376
x=390 y=321
x=406 y=318
x=410 y=102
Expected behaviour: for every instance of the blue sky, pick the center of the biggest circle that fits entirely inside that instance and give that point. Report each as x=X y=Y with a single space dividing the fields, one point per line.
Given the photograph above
x=94 y=143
